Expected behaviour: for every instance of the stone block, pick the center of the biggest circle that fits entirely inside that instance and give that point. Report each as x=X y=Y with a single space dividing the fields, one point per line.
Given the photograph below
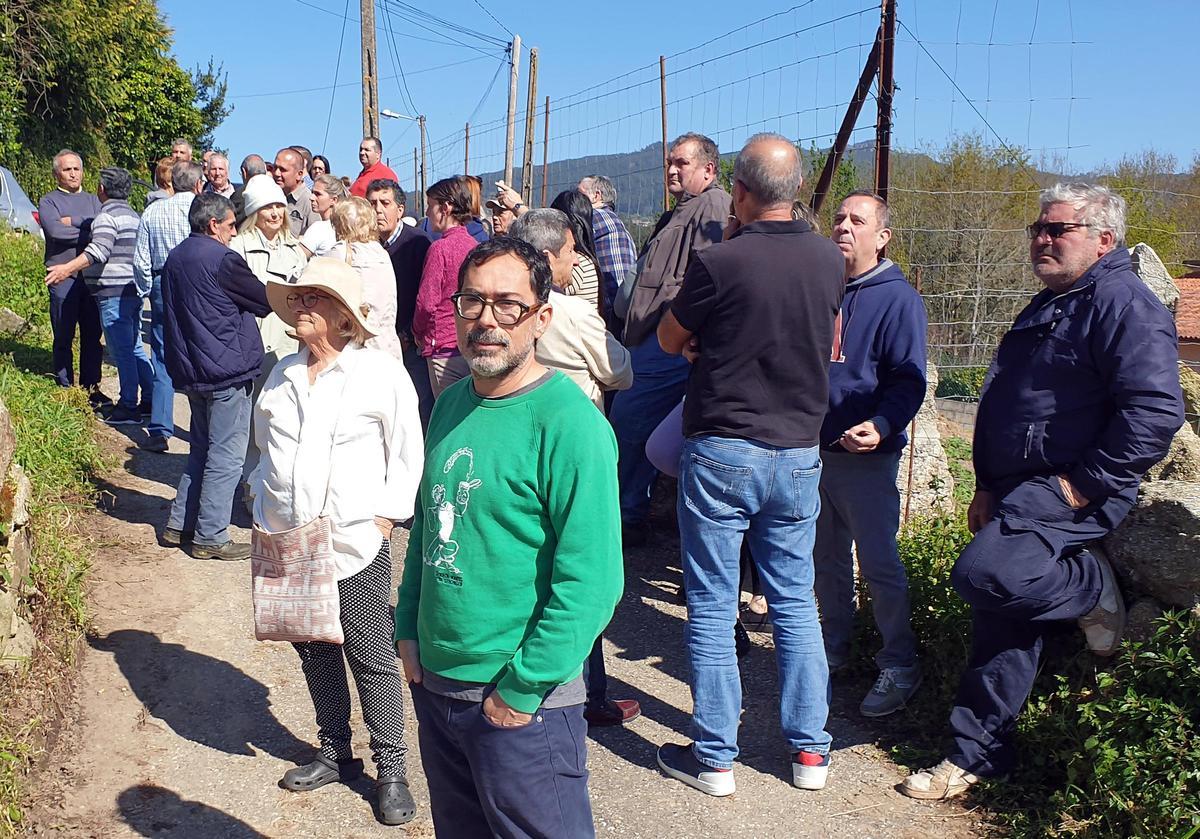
x=22 y=492
x=1182 y=462
x=932 y=485
x=20 y=553
x=16 y=646
x=1157 y=548
x=1143 y=612
x=1189 y=380
x=11 y=323
x=8 y=440
x=1154 y=274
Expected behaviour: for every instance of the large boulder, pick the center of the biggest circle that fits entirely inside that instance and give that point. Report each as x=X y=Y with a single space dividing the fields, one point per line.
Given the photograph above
x=1157 y=548
x=1189 y=380
x=1182 y=462
x=1150 y=268
x=931 y=490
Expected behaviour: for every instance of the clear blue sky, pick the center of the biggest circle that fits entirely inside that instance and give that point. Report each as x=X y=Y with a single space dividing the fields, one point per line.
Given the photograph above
x=1087 y=80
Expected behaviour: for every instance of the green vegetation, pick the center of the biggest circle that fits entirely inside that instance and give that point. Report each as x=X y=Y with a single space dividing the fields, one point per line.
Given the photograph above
x=1107 y=748
x=56 y=446
x=958 y=455
x=961 y=382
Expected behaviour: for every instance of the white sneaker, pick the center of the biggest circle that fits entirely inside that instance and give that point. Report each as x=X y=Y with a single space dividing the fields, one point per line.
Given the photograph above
x=680 y=763
x=945 y=780
x=809 y=770
x=1104 y=625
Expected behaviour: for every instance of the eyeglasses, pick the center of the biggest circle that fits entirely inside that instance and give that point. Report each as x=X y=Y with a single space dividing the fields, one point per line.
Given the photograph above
x=1055 y=229
x=507 y=312
x=309 y=299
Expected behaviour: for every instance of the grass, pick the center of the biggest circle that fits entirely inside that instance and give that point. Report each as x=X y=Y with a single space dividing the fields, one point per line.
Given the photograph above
x=56 y=446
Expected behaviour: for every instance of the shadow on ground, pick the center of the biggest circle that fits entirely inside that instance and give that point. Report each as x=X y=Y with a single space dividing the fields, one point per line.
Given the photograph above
x=152 y=810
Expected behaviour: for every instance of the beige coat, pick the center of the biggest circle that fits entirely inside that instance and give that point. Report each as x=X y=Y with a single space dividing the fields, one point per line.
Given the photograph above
x=577 y=343
x=283 y=262
x=374 y=268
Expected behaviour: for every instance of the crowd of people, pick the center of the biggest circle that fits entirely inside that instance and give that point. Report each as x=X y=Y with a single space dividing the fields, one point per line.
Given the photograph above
x=507 y=382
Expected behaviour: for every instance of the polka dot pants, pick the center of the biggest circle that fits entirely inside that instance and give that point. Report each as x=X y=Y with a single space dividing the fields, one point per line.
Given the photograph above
x=367 y=623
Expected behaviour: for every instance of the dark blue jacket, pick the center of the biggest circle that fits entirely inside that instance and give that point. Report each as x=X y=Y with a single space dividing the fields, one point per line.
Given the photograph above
x=474 y=227
x=1086 y=384
x=879 y=373
x=210 y=300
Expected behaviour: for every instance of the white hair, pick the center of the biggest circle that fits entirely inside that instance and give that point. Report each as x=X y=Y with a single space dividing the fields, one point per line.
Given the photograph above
x=1096 y=206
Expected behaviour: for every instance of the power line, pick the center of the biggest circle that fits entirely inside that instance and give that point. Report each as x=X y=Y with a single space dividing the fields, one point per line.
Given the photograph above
x=493 y=17
x=440 y=42
x=336 y=68
x=354 y=84
x=396 y=65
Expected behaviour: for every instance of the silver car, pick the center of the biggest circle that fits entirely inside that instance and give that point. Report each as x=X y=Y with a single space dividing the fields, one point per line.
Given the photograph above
x=16 y=210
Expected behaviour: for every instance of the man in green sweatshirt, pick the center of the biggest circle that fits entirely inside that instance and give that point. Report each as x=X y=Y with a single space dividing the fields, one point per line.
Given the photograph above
x=513 y=567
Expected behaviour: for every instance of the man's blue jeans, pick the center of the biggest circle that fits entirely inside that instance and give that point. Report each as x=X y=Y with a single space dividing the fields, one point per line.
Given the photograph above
x=162 y=402
x=659 y=381
x=121 y=319
x=729 y=489
x=219 y=433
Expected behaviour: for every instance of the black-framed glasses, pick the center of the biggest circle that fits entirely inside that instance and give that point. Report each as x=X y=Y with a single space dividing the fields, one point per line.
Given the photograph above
x=507 y=312
x=1055 y=229
x=308 y=299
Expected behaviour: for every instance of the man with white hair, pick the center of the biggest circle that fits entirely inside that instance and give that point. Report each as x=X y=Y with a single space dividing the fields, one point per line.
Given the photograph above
x=1082 y=398
x=216 y=174
x=181 y=149
x=615 y=255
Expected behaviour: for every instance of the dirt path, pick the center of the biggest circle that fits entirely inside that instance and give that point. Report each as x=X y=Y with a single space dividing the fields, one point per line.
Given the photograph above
x=183 y=722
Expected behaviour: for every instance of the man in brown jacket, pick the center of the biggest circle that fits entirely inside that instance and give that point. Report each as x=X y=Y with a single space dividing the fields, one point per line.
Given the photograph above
x=695 y=222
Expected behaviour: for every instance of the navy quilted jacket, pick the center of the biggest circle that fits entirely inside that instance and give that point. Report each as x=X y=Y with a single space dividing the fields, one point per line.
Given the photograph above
x=1086 y=384
x=210 y=301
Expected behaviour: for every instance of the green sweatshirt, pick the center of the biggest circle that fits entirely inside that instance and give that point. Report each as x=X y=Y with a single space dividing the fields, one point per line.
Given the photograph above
x=514 y=561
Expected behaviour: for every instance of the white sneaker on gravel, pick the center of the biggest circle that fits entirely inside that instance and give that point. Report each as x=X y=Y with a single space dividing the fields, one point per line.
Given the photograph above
x=891 y=691
x=1104 y=625
x=678 y=761
x=810 y=770
x=945 y=780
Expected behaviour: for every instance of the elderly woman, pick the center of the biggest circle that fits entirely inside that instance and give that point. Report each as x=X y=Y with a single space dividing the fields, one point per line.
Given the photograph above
x=448 y=204
x=358 y=246
x=319 y=239
x=339 y=436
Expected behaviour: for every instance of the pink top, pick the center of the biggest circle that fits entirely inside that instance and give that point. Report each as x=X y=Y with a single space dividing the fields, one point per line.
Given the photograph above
x=433 y=319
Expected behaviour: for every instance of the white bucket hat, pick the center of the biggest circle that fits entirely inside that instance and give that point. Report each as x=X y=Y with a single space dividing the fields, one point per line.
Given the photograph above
x=261 y=191
x=332 y=276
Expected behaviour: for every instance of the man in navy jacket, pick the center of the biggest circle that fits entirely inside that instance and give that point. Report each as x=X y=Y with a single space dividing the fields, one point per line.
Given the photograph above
x=876 y=384
x=1082 y=399
x=213 y=353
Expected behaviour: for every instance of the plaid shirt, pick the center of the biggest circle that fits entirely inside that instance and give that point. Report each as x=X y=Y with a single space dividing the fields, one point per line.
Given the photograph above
x=164 y=225
x=614 y=250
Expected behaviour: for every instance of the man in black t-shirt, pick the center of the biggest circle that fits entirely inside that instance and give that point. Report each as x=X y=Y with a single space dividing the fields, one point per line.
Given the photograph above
x=759 y=310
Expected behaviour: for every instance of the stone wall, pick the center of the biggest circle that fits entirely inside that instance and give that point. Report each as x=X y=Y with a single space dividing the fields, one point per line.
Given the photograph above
x=930 y=491
x=16 y=550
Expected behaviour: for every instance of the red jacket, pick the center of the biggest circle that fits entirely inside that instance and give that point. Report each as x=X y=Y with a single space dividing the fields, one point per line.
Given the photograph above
x=433 y=320
x=379 y=170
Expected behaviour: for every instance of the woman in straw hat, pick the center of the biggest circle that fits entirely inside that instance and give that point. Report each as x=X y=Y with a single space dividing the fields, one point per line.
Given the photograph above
x=339 y=436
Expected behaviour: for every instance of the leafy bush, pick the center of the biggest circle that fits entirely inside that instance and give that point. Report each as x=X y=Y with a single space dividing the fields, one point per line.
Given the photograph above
x=966 y=382
x=958 y=456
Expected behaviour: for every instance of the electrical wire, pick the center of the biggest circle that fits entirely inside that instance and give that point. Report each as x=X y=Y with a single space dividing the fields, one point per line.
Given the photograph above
x=487 y=12
x=336 y=67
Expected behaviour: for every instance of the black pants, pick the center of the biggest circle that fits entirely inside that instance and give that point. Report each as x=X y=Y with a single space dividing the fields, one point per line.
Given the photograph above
x=367 y=623
x=516 y=783
x=1027 y=570
x=71 y=305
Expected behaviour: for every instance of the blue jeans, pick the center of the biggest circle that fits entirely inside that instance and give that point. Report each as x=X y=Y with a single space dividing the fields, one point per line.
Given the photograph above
x=860 y=506
x=730 y=489
x=121 y=319
x=220 y=431
x=71 y=306
x=659 y=381
x=162 y=401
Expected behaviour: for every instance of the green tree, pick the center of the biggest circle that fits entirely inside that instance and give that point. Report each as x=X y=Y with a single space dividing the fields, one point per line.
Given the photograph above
x=211 y=85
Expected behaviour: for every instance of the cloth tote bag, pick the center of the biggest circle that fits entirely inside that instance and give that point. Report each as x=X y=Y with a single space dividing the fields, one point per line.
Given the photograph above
x=295 y=584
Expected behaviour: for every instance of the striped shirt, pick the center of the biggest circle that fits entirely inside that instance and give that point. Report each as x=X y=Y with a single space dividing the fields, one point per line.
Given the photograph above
x=615 y=254
x=114 y=232
x=164 y=225
x=585 y=282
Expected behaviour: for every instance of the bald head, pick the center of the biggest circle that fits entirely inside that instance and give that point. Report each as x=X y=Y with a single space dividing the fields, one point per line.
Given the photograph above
x=768 y=168
x=289 y=169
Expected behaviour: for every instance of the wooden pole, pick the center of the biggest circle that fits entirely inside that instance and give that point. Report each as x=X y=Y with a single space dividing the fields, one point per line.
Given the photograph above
x=417 y=187
x=546 y=151
x=662 y=83
x=515 y=64
x=530 y=122
x=887 y=90
x=847 y=127
x=467 y=149
x=370 y=80
x=421 y=125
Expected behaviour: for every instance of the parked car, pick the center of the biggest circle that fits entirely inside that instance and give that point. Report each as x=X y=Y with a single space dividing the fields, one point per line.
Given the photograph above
x=16 y=210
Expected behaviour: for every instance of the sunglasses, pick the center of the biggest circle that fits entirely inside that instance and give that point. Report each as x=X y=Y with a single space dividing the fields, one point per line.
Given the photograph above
x=1055 y=229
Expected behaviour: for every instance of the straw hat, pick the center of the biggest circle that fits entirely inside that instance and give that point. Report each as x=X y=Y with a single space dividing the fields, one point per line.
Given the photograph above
x=331 y=276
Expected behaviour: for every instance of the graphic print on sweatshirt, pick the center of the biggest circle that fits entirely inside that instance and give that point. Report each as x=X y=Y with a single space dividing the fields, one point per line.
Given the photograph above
x=441 y=551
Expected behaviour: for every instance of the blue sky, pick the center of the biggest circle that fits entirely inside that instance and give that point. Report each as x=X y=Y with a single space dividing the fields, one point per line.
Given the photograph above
x=1085 y=81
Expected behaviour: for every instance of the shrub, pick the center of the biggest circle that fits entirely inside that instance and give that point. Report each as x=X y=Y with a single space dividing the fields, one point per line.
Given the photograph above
x=964 y=382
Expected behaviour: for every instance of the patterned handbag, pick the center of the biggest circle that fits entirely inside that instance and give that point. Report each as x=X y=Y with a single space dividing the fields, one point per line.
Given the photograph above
x=295 y=584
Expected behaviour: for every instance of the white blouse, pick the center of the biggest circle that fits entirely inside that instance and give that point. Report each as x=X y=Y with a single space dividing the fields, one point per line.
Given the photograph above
x=372 y=467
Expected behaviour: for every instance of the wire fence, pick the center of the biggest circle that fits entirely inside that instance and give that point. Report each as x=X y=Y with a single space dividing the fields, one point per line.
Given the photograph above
x=961 y=191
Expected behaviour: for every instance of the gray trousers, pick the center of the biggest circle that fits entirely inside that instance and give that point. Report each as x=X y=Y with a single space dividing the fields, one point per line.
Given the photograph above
x=860 y=506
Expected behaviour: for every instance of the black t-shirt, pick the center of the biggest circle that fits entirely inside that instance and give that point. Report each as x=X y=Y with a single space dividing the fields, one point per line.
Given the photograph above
x=762 y=305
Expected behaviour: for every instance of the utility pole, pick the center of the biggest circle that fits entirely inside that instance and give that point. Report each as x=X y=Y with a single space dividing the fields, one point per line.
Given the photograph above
x=417 y=183
x=370 y=79
x=515 y=64
x=546 y=151
x=421 y=125
x=887 y=90
x=530 y=116
x=467 y=149
x=662 y=81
